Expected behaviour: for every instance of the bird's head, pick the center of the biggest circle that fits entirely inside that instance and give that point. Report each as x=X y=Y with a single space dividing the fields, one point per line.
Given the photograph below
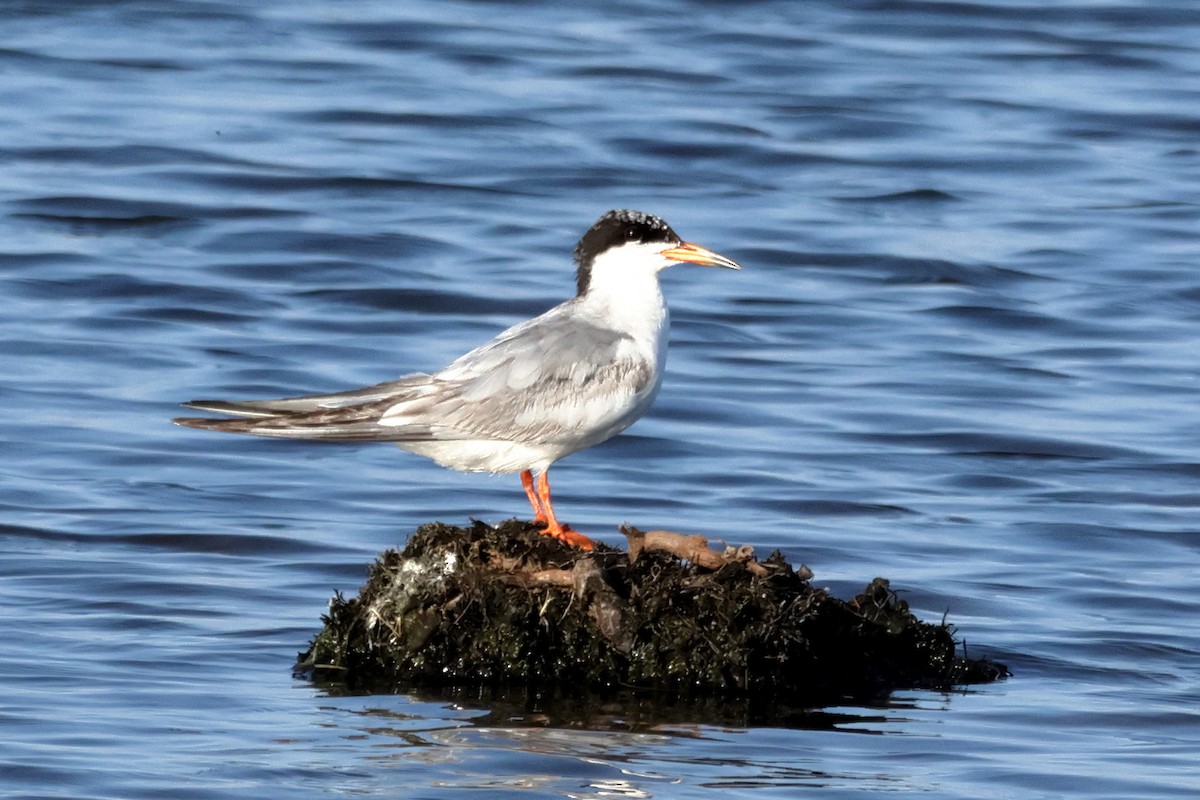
x=626 y=244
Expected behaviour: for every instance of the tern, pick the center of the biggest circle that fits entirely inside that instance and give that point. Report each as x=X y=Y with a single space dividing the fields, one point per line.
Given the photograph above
x=559 y=383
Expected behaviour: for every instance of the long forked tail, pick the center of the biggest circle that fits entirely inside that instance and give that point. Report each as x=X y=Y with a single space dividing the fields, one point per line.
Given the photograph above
x=352 y=424
x=322 y=426
x=394 y=390
x=342 y=417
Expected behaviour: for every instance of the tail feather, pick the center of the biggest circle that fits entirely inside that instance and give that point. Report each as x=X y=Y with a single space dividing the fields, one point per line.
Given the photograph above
x=356 y=424
x=243 y=409
x=396 y=391
x=283 y=427
x=352 y=416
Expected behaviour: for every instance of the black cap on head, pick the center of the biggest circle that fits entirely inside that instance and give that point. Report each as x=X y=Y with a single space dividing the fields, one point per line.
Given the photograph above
x=618 y=227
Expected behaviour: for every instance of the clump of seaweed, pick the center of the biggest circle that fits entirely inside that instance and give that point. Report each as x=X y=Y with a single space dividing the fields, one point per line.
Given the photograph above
x=506 y=608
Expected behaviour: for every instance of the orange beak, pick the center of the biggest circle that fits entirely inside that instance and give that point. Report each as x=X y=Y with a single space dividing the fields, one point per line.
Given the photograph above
x=695 y=254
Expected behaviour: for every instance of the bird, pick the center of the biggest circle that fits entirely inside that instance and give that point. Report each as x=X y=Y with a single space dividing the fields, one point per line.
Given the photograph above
x=543 y=389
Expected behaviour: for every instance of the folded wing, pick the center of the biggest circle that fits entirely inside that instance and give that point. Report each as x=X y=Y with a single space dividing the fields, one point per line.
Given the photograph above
x=548 y=379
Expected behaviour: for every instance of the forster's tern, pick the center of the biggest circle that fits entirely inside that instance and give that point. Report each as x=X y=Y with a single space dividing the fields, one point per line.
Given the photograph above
x=579 y=374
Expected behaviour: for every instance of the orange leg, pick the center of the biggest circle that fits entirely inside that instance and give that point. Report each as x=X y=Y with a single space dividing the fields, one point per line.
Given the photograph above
x=527 y=482
x=561 y=532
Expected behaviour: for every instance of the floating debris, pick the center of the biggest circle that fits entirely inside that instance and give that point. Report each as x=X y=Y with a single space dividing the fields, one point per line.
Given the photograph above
x=506 y=608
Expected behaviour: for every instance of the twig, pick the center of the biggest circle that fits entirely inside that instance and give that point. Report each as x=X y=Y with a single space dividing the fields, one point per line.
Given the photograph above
x=690 y=548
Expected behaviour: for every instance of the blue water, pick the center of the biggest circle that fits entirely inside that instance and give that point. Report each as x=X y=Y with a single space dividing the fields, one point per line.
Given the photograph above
x=963 y=354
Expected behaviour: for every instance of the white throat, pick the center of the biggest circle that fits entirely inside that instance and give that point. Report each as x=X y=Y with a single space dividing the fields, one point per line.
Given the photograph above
x=624 y=294
x=624 y=287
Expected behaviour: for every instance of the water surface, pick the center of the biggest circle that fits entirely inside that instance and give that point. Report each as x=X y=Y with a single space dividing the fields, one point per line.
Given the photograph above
x=963 y=355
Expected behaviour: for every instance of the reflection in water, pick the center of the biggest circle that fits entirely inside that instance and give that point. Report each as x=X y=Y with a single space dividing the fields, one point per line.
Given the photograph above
x=618 y=756
x=624 y=712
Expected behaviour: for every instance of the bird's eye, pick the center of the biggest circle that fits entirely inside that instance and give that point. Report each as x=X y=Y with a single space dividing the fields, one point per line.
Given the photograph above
x=631 y=235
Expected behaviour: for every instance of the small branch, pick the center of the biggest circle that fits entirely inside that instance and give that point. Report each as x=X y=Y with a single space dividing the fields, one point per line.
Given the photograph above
x=690 y=548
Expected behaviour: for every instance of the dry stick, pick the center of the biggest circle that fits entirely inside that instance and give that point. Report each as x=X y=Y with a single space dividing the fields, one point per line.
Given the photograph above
x=690 y=548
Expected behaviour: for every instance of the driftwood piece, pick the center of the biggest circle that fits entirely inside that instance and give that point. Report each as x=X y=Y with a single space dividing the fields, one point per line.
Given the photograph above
x=507 y=608
x=695 y=549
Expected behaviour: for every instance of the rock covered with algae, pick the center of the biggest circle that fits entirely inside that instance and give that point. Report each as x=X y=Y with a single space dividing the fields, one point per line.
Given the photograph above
x=506 y=608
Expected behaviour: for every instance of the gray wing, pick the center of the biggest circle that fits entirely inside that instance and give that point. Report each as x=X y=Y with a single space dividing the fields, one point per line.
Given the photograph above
x=547 y=379
x=555 y=377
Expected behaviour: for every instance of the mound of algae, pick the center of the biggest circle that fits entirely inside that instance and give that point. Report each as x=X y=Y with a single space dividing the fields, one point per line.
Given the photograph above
x=506 y=608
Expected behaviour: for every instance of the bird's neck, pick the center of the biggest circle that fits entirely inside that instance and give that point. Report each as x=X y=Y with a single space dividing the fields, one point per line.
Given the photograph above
x=629 y=301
